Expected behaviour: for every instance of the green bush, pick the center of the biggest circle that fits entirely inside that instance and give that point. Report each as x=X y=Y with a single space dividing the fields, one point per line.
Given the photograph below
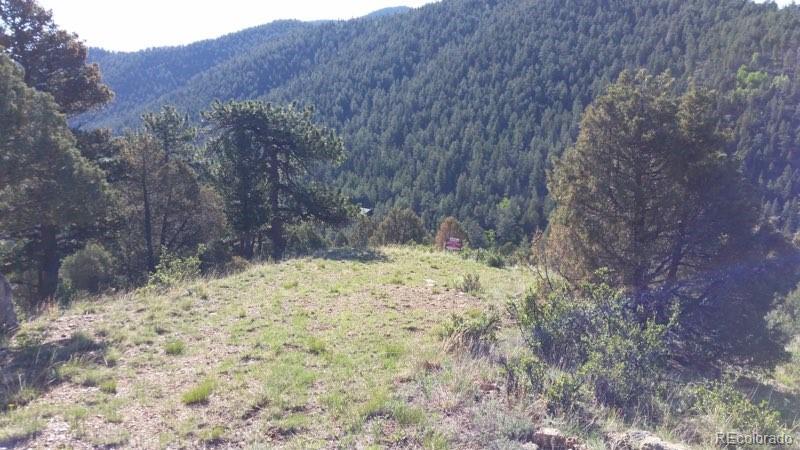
x=305 y=238
x=495 y=260
x=731 y=409
x=475 y=330
x=471 y=284
x=174 y=348
x=489 y=257
x=524 y=373
x=563 y=394
x=172 y=269
x=785 y=318
x=90 y=269
x=596 y=335
x=400 y=226
x=361 y=232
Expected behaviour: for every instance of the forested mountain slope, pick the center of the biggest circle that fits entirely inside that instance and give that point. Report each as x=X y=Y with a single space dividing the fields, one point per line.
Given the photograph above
x=457 y=108
x=144 y=76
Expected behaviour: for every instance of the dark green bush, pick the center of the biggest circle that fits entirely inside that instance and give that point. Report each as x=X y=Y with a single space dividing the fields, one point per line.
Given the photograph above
x=400 y=226
x=563 y=394
x=360 y=232
x=595 y=334
x=495 y=260
x=524 y=373
x=489 y=257
x=90 y=269
x=305 y=238
x=785 y=318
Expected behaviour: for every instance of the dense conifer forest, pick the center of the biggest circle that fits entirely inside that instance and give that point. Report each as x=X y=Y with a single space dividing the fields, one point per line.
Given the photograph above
x=459 y=108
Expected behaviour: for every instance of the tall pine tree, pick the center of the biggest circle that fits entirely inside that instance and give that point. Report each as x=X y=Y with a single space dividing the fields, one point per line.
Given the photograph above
x=648 y=193
x=264 y=156
x=46 y=186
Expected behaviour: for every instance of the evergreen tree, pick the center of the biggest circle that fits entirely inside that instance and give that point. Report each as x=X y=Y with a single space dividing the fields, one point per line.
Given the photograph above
x=46 y=186
x=164 y=207
x=649 y=193
x=263 y=156
x=400 y=226
x=54 y=60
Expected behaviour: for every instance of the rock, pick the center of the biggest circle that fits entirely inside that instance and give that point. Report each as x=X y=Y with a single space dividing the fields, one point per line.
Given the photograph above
x=552 y=439
x=530 y=446
x=655 y=443
x=639 y=440
x=8 y=318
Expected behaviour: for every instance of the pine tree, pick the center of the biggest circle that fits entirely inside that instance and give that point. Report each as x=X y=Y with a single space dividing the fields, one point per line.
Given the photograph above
x=46 y=186
x=54 y=60
x=648 y=193
x=263 y=156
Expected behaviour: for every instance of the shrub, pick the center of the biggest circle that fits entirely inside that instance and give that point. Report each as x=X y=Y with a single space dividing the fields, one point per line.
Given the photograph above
x=489 y=257
x=475 y=330
x=732 y=410
x=785 y=318
x=316 y=346
x=564 y=392
x=400 y=226
x=523 y=373
x=361 y=232
x=305 y=238
x=450 y=228
x=109 y=386
x=89 y=269
x=495 y=260
x=595 y=335
x=471 y=284
x=172 y=269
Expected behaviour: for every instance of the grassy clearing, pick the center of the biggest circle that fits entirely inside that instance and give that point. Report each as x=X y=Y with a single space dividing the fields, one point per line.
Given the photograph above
x=338 y=352
x=309 y=353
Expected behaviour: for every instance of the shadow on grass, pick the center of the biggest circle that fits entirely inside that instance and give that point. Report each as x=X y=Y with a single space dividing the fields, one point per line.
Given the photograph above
x=30 y=368
x=354 y=254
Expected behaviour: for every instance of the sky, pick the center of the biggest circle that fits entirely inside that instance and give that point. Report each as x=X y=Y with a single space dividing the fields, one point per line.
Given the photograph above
x=127 y=25
x=136 y=24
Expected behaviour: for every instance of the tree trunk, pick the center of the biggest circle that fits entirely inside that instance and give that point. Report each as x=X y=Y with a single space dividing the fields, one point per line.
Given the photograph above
x=276 y=224
x=8 y=318
x=276 y=236
x=49 y=263
x=148 y=225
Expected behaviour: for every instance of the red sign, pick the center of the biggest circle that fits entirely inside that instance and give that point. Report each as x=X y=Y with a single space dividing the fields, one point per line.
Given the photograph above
x=453 y=244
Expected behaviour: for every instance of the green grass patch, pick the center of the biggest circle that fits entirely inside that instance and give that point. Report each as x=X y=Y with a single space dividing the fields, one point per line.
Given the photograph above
x=174 y=348
x=109 y=386
x=198 y=394
x=315 y=346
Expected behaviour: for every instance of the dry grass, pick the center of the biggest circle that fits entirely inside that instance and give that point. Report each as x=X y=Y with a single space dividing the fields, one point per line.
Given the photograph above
x=334 y=352
x=309 y=353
